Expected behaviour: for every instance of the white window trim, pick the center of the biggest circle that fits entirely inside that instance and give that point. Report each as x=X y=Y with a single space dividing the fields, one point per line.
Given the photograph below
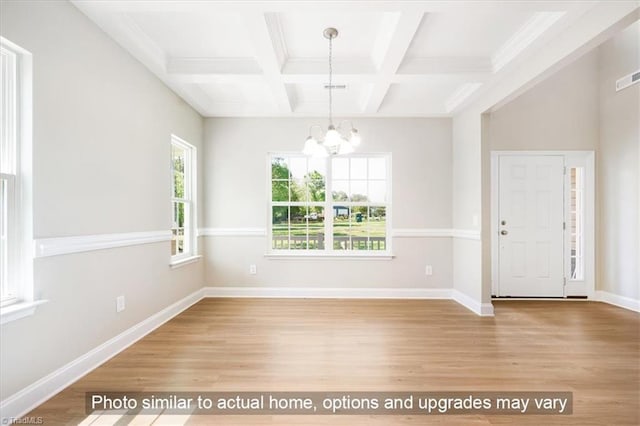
x=329 y=252
x=183 y=261
x=19 y=310
x=585 y=160
x=24 y=303
x=320 y=254
x=191 y=190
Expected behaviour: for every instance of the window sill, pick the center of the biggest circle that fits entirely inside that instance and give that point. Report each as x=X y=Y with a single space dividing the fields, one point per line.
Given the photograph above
x=329 y=256
x=177 y=263
x=19 y=310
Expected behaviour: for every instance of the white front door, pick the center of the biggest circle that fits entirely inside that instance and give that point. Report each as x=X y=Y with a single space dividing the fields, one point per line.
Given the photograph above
x=531 y=221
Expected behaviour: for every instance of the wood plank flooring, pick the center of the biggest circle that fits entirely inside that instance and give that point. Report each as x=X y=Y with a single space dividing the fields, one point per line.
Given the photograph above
x=588 y=348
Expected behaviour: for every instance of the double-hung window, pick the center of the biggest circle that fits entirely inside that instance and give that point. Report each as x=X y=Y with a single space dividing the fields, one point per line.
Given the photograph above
x=336 y=206
x=16 y=232
x=183 y=199
x=8 y=177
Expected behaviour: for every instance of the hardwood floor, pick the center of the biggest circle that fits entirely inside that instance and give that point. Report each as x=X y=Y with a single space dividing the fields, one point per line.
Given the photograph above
x=588 y=348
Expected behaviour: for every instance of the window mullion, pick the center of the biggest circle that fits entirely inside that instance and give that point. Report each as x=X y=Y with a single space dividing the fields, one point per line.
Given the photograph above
x=328 y=210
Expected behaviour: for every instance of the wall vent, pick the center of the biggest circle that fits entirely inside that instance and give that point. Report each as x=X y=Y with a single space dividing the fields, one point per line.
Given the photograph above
x=627 y=80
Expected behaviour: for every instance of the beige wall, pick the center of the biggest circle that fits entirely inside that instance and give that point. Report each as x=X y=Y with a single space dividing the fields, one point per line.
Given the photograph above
x=102 y=126
x=618 y=168
x=559 y=113
x=467 y=267
x=236 y=197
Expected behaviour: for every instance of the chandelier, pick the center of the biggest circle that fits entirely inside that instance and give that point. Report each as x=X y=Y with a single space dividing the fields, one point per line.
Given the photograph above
x=337 y=140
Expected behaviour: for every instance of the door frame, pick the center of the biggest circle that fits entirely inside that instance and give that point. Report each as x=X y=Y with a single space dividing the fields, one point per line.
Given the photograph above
x=585 y=159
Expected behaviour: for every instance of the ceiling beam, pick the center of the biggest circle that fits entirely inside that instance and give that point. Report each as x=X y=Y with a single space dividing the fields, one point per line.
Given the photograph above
x=320 y=66
x=310 y=70
x=460 y=95
x=314 y=67
x=270 y=51
x=395 y=48
x=447 y=65
x=527 y=34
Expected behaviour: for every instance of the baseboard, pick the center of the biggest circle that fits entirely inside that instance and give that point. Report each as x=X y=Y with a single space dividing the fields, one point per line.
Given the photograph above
x=482 y=309
x=25 y=400
x=617 y=300
x=329 y=293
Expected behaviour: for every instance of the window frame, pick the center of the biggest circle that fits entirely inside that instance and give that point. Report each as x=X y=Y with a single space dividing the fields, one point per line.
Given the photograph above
x=328 y=204
x=190 y=200
x=17 y=297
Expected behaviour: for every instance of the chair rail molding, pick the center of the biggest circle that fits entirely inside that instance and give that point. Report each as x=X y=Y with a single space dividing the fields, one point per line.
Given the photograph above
x=44 y=247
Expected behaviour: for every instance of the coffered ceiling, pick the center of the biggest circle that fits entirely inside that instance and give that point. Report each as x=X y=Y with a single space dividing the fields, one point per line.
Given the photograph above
x=269 y=58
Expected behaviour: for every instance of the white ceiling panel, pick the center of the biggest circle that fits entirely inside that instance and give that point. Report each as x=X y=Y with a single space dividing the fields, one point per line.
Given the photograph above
x=466 y=33
x=418 y=98
x=193 y=34
x=302 y=33
x=244 y=98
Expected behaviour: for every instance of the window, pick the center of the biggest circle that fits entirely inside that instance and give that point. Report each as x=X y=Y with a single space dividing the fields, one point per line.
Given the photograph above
x=16 y=234
x=298 y=194
x=338 y=205
x=183 y=196
x=577 y=223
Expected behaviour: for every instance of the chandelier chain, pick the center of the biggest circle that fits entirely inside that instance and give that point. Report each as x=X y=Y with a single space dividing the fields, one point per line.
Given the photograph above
x=330 y=81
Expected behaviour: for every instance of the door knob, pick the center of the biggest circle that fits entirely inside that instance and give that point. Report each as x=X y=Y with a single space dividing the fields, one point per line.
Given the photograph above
x=504 y=232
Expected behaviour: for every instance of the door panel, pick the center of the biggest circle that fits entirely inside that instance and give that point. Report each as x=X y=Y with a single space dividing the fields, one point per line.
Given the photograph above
x=531 y=213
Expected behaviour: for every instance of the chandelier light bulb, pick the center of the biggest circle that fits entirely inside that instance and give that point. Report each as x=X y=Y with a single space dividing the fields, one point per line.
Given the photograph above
x=332 y=138
x=310 y=146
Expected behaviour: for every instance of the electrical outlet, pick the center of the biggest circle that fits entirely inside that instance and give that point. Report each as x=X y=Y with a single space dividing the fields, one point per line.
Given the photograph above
x=120 y=305
x=428 y=270
x=253 y=269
